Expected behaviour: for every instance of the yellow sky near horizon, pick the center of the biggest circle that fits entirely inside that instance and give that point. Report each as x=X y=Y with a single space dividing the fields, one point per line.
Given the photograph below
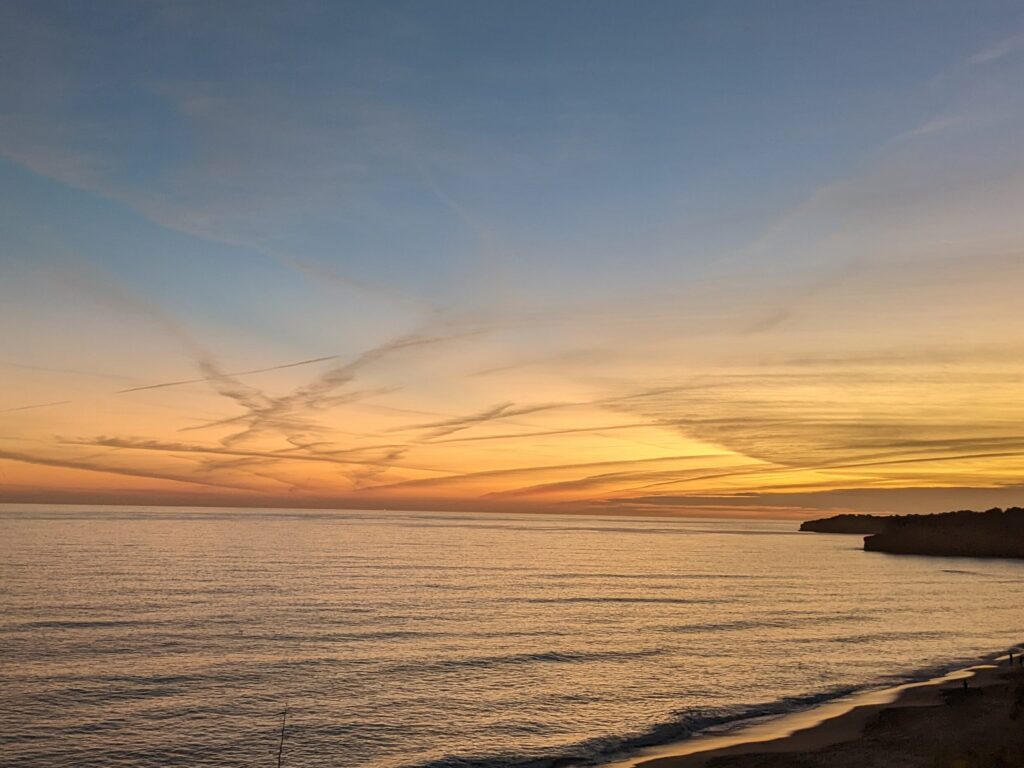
x=784 y=437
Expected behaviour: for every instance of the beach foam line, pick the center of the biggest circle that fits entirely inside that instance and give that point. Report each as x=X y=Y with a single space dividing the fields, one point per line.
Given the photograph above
x=831 y=722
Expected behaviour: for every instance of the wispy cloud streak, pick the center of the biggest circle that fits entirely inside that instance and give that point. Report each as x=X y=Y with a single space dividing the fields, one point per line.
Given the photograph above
x=33 y=407
x=437 y=429
x=166 y=384
x=89 y=466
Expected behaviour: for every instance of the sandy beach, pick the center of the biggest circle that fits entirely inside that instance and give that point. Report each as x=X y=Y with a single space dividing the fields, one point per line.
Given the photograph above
x=937 y=723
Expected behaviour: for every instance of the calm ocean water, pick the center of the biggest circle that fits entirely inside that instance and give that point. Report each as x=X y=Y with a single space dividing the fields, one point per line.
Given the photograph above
x=159 y=637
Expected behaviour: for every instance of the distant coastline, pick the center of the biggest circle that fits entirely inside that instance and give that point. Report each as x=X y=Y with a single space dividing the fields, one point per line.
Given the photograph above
x=965 y=533
x=847 y=524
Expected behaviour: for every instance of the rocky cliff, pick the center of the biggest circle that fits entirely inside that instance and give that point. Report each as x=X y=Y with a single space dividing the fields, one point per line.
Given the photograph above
x=994 y=533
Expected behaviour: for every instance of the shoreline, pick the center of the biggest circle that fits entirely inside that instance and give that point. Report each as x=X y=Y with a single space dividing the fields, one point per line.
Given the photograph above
x=848 y=724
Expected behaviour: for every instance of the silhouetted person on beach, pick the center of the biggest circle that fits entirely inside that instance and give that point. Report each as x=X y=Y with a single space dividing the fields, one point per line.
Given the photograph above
x=965 y=683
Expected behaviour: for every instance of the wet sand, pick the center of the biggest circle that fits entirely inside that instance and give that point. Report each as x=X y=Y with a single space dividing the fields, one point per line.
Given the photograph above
x=933 y=724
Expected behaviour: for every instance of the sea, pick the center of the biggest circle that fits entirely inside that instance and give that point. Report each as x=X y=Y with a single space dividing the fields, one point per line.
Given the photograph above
x=145 y=636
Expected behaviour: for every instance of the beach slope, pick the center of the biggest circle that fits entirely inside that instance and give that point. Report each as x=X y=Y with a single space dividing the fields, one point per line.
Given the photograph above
x=940 y=724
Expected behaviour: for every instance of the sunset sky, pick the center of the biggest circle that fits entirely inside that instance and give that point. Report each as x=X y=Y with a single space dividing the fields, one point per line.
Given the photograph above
x=709 y=258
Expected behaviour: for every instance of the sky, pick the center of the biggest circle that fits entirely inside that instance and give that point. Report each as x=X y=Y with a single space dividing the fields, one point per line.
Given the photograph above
x=703 y=258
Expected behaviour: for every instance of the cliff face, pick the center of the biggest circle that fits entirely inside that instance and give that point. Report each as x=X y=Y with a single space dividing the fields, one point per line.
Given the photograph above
x=995 y=533
x=847 y=524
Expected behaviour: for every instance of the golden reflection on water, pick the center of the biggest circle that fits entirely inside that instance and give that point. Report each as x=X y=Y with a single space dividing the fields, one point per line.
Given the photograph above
x=154 y=636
